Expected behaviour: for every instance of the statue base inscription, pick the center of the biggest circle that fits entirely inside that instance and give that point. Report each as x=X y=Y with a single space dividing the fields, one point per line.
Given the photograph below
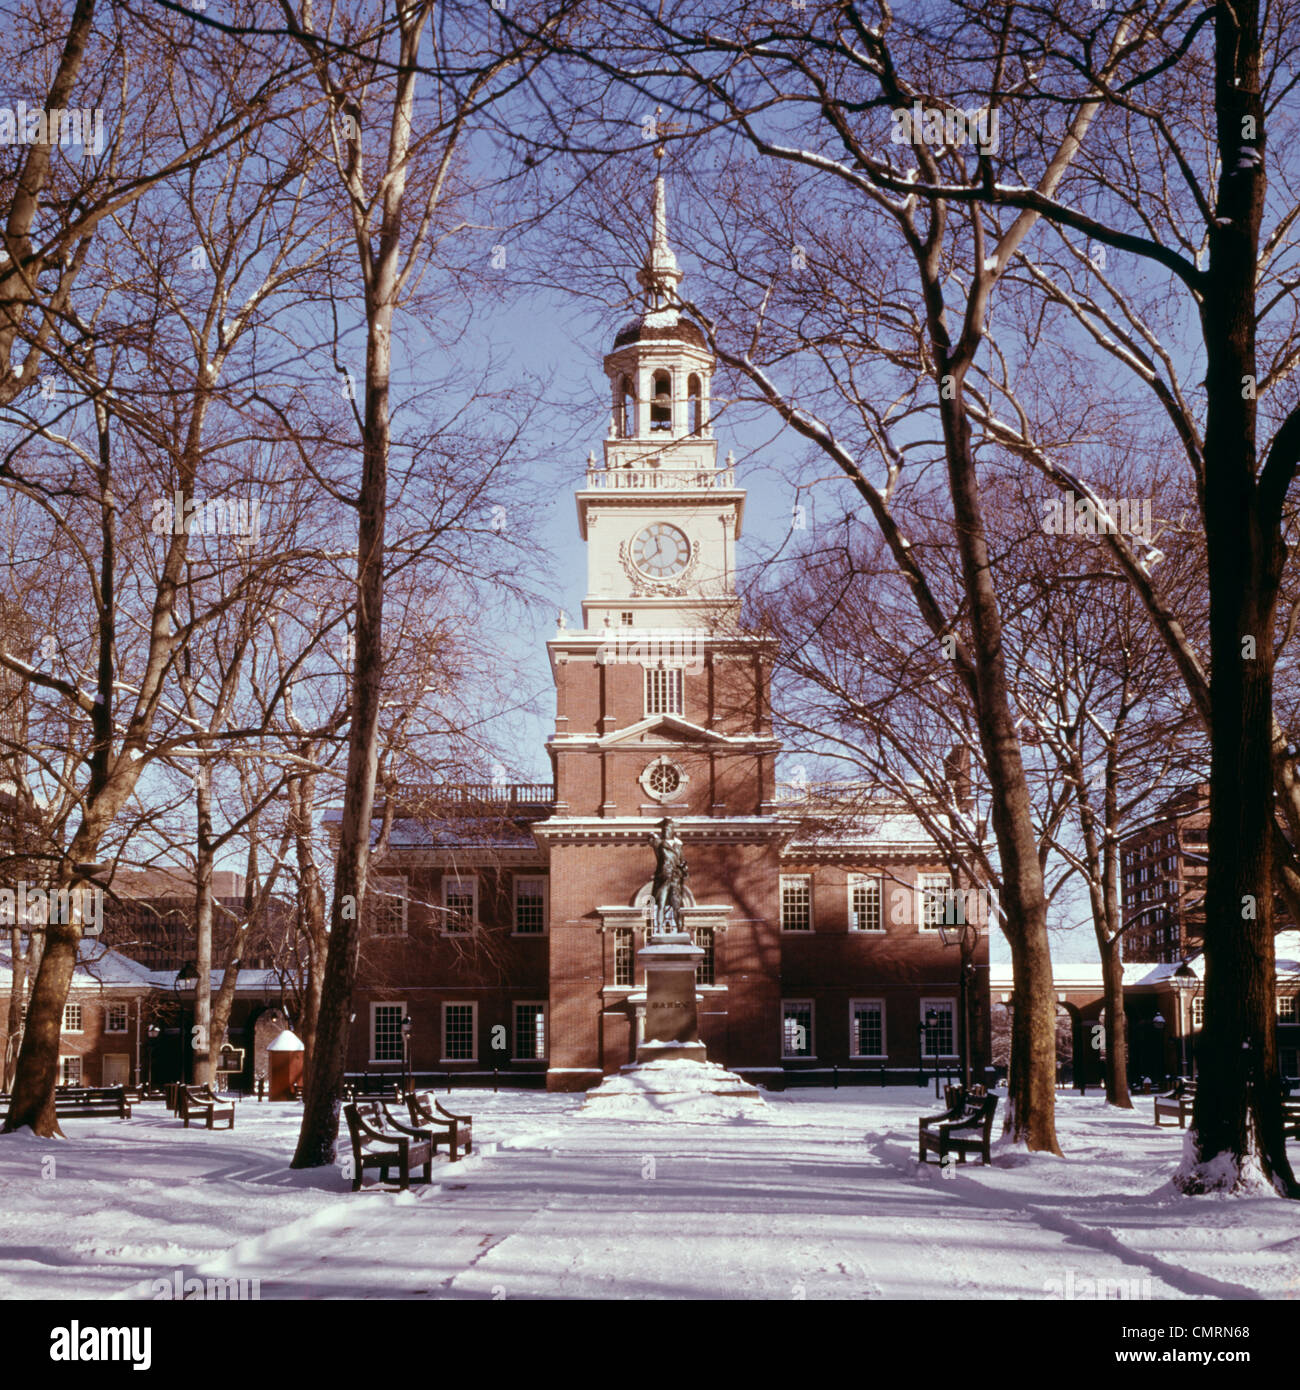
x=672 y=1030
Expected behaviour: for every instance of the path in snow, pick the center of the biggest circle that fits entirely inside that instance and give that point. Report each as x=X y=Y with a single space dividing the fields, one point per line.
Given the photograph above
x=785 y=1209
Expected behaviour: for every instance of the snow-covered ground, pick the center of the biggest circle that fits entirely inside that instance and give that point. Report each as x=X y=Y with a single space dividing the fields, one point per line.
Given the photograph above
x=816 y=1194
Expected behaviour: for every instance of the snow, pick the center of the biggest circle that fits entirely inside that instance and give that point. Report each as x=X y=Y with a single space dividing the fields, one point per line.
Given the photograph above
x=821 y=1197
x=676 y=1091
x=287 y=1041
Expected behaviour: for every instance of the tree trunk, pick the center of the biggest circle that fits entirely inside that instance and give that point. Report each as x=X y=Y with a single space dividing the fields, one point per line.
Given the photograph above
x=324 y=1086
x=1031 y=1101
x=1237 y=1140
x=20 y=959
x=1112 y=986
x=37 y=1072
x=201 y=1037
x=311 y=909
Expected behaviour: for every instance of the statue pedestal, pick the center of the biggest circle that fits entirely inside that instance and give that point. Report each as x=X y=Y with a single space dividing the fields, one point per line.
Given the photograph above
x=672 y=1031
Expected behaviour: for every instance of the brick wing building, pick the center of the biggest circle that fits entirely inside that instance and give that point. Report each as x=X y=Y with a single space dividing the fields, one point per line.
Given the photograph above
x=504 y=921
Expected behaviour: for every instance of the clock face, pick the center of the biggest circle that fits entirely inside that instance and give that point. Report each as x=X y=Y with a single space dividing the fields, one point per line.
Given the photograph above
x=660 y=551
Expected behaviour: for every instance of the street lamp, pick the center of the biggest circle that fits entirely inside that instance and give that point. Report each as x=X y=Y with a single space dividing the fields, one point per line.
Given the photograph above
x=965 y=935
x=1158 y=1023
x=406 y=1051
x=929 y=1031
x=1184 y=978
x=186 y=975
x=154 y=1034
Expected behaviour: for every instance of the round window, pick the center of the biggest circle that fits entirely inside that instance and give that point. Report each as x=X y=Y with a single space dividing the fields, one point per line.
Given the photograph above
x=664 y=779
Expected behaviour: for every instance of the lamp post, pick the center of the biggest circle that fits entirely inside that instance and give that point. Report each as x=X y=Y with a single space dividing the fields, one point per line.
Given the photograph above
x=1158 y=1023
x=929 y=1031
x=965 y=935
x=406 y=1051
x=184 y=976
x=1184 y=979
x=154 y=1033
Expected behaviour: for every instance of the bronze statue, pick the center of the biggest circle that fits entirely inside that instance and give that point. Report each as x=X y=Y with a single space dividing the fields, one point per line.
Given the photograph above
x=668 y=890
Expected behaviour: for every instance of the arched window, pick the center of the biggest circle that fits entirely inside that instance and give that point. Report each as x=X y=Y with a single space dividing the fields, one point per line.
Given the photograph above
x=661 y=402
x=627 y=408
x=695 y=412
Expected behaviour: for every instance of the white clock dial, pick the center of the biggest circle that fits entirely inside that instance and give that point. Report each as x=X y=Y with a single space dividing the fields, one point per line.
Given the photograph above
x=660 y=551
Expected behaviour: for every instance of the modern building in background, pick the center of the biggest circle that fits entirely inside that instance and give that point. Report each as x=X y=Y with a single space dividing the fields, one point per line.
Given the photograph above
x=1163 y=867
x=150 y=916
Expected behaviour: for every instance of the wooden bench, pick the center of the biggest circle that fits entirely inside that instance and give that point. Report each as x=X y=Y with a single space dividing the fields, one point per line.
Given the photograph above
x=77 y=1102
x=1291 y=1117
x=428 y=1113
x=1177 y=1104
x=380 y=1141
x=201 y=1102
x=965 y=1127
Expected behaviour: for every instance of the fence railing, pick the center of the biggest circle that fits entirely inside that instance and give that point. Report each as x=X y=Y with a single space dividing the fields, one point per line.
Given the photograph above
x=671 y=479
x=495 y=794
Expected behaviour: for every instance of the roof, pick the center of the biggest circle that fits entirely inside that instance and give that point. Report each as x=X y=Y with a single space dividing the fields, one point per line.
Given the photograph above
x=1087 y=974
x=97 y=965
x=254 y=981
x=683 y=331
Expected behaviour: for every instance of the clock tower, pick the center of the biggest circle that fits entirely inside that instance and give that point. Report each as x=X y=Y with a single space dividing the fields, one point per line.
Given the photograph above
x=659 y=516
x=661 y=700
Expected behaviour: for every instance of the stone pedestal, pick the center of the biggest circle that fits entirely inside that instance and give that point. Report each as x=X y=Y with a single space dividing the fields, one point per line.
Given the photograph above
x=672 y=1030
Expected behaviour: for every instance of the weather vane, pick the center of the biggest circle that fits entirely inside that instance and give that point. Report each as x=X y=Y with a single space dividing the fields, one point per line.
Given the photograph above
x=658 y=128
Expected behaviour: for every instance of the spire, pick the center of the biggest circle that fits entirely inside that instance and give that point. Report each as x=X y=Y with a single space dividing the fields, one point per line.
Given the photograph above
x=659 y=275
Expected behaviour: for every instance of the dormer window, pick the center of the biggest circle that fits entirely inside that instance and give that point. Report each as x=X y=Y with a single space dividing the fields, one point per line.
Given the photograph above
x=661 y=402
x=695 y=410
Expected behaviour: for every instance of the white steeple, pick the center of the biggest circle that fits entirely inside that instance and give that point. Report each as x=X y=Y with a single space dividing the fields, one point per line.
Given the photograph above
x=659 y=275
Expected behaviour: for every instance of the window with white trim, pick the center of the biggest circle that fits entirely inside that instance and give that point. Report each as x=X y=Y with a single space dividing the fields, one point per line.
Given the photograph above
x=796 y=903
x=865 y=896
x=460 y=904
x=459 y=1032
x=704 y=969
x=386 y=1032
x=936 y=902
x=797 y=1028
x=867 y=1028
x=624 y=957
x=115 y=1018
x=72 y=1018
x=530 y=906
x=530 y=1032
x=1198 y=1011
x=663 y=690
x=938 y=1035
x=1286 y=1010
x=69 y=1071
x=386 y=904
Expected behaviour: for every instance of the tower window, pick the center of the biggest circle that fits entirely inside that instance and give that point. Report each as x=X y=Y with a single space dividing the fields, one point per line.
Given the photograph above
x=663 y=690
x=626 y=408
x=696 y=412
x=661 y=402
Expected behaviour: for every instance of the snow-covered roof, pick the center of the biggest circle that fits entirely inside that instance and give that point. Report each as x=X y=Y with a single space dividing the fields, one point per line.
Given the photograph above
x=1087 y=974
x=96 y=965
x=253 y=980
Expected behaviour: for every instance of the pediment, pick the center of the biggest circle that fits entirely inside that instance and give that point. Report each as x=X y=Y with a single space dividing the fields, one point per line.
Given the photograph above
x=663 y=730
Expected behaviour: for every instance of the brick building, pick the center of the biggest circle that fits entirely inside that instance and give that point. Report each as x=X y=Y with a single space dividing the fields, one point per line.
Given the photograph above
x=504 y=921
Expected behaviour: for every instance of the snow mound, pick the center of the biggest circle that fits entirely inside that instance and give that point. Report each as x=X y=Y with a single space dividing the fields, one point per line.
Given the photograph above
x=675 y=1090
